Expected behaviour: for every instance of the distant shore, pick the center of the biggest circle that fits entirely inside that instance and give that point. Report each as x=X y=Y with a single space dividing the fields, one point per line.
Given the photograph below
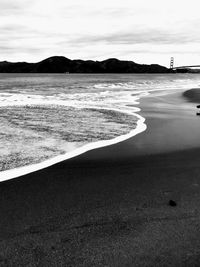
x=60 y=64
x=111 y=206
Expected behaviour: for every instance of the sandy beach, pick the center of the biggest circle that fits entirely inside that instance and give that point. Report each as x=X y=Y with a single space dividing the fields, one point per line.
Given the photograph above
x=110 y=206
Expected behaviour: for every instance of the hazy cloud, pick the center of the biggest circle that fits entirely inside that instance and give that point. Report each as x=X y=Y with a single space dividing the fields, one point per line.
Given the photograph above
x=11 y=7
x=130 y=38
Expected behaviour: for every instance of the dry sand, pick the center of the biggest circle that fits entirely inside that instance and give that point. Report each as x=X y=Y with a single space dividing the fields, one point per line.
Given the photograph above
x=109 y=207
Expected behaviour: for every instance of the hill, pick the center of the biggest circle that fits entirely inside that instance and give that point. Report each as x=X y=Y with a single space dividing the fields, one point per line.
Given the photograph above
x=59 y=64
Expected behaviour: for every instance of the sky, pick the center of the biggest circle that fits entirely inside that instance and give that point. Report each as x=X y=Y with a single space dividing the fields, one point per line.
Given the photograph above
x=144 y=31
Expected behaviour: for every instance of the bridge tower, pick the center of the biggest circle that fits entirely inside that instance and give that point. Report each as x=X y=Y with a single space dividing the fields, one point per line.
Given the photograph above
x=171 y=63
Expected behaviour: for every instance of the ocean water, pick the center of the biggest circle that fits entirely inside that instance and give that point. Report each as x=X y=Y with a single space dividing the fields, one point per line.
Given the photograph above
x=46 y=115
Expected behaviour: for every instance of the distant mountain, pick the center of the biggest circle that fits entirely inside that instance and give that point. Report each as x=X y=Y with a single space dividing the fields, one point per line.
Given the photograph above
x=58 y=64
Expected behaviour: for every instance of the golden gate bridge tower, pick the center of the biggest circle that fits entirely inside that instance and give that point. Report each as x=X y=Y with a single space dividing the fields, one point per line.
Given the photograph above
x=171 y=63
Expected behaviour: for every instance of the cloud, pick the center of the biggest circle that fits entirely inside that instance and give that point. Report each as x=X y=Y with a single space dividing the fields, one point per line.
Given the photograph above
x=13 y=7
x=151 y=36
x=7 y=7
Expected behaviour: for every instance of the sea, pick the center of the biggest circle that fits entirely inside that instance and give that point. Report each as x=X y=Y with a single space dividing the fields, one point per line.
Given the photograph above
x=44 y=116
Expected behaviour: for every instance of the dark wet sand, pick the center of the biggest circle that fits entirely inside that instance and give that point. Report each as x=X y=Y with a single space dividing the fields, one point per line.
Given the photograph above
x=109 y=207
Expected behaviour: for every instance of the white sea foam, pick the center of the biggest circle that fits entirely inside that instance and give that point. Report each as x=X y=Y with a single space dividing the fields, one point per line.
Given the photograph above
x=14 y=173
x=102 y=101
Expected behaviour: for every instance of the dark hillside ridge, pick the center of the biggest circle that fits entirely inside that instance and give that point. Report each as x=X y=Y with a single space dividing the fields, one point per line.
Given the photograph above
x=58 y=64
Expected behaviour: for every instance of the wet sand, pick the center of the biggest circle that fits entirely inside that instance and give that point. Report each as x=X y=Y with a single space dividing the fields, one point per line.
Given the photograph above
x=110 y=206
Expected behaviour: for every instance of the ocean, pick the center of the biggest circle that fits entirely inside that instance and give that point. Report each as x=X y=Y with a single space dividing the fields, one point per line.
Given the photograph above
x=43 y=116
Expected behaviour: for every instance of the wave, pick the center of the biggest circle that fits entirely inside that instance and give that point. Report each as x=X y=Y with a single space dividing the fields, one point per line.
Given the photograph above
x=54 y=130
x=16 y=172
x=106 y=102
x=118 y=97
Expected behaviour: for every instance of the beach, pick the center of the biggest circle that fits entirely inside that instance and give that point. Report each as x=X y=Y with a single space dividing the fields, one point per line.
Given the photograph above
x=110 y=206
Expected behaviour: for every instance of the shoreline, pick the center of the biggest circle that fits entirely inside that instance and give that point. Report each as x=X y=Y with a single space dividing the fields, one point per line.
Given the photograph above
x=159 y=112
x=24 y=170
x=141 y=126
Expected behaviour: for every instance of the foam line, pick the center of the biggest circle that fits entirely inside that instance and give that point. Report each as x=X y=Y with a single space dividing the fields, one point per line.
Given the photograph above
x=140 y=127
x=17 y=172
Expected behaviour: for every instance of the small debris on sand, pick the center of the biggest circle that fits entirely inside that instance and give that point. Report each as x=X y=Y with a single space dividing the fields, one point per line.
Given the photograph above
x=172 y=203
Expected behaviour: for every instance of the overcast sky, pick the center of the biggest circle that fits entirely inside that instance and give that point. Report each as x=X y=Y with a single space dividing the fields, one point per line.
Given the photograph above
x=145 y=31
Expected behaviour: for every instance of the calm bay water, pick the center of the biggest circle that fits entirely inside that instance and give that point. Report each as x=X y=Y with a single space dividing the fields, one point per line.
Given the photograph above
x=45 y=115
